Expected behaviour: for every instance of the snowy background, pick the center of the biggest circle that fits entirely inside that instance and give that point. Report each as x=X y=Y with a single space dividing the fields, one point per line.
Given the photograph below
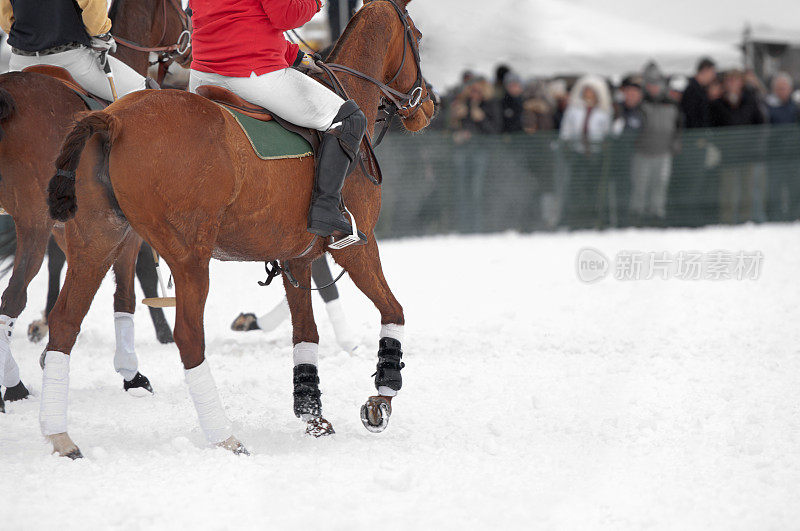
x=531 y=400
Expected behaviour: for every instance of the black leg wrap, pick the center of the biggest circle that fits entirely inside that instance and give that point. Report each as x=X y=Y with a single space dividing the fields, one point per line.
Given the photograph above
x=389 y=364
x=306 y=391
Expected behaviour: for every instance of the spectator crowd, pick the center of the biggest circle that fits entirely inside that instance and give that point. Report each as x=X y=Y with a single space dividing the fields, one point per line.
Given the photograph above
x=650 y=150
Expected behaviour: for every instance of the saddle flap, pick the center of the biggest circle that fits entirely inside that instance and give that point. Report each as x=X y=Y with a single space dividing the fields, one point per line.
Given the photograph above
x=229 y=99
x=65 y=77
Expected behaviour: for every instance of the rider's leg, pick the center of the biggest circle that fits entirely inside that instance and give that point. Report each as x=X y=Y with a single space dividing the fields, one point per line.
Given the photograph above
x=302 y=101
x=83 y=65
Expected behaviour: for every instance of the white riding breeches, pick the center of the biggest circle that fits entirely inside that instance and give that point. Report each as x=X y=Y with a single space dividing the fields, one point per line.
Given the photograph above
x=287 y=93
x=83 y=65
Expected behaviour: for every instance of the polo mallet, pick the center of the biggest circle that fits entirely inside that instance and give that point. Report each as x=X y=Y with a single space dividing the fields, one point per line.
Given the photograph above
x=159 y=302
x=153 y=302
x=106 y=66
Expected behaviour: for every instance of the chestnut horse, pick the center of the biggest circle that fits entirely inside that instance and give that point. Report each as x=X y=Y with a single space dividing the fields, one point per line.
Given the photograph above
x=221 y=201
x=36 y=112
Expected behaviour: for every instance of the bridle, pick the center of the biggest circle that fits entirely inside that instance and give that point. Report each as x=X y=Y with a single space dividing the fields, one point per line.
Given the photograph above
x=393 y=101
x=167 y=54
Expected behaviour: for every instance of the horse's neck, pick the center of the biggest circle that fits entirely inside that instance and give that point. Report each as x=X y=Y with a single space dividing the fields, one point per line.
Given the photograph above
x=370 y=62
x=134 y=20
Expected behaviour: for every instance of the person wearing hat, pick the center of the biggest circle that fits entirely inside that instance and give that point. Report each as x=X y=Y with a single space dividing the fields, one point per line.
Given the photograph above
x=651 y=165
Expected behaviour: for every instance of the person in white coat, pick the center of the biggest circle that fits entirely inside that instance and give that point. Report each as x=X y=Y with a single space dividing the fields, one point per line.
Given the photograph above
x=584 y=128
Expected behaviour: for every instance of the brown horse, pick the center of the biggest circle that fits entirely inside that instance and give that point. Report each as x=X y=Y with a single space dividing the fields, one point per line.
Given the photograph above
x=36 y=112
x=221 y=201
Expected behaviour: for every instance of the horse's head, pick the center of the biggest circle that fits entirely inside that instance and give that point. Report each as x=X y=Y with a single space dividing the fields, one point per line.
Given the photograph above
x=165 y=32
x=403 y=69
x=179 y=23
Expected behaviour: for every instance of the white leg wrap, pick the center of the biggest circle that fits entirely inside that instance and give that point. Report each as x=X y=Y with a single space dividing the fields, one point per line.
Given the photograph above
x=270 y=321
x=125 y=361
x=306 y=353
x=9 y=371
x=55 y=388
x=344 y=336
x=395 y=331
x=203 y=390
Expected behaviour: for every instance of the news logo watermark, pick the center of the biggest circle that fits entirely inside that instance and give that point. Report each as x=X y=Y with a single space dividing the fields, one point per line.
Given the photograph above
x=593 y=266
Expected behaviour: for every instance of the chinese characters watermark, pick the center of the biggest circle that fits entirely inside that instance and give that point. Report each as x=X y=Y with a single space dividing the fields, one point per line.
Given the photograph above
x=593 y=266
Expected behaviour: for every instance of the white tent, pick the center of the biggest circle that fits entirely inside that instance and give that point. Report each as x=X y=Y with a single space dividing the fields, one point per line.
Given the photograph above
x=546 y=37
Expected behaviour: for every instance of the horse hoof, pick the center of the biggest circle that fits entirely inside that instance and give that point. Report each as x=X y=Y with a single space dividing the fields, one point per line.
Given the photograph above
x=376 y=412
x=18 y=392
x=245 y=322
x=139 y=381
x=233 y=445
x=319 y=427
x=63 y=446
x=37 y=330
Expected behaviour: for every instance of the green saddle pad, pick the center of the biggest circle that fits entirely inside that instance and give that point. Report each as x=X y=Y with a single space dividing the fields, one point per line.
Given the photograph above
x=270 y=140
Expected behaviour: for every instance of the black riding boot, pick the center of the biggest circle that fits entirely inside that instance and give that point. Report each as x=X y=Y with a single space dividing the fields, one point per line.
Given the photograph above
x=338 y=152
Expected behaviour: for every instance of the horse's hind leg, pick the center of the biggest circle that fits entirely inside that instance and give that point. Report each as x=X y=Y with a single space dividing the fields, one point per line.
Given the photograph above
x=148 y=278
x=92 y=250
x=363 y=264
x=55 y=263
x=191 y=291
x=31 y=245
x=307 y=402
x=126 y=362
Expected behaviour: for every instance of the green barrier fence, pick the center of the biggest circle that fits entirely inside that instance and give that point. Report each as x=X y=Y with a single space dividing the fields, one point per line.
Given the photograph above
x=433 y=185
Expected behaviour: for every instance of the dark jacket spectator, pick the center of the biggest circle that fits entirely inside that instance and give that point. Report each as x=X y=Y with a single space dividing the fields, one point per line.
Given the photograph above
x=512 y=104
x=780 y=107
x=730 y=110
x=695 y=104
x=474 y=111
x=629 y=113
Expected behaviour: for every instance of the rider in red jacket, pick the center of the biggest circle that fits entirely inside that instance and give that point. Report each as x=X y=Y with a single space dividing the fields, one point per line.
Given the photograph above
x=240 y=46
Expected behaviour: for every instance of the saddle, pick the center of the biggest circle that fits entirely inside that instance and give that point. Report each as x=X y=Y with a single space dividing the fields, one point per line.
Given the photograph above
x=231 y=101
x=93 y=103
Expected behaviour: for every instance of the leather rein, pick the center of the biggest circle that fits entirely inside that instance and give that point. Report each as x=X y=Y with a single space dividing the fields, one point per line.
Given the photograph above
x=167 y=54
x=393 y=101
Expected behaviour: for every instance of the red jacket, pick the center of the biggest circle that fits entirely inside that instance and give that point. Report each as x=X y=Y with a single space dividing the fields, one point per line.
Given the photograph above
x=236 y=37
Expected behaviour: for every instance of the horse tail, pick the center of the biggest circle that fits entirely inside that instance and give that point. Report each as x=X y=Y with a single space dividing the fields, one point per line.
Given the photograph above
x=7 y=107
x=61 y=190
x=8 y=244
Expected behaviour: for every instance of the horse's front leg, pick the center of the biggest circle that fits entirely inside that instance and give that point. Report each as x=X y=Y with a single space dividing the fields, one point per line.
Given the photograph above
x=307 y=402
x=363 y=264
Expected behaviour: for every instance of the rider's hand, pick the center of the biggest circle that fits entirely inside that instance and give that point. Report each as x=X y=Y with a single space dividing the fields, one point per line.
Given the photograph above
x=104 y=43
x=308 y=64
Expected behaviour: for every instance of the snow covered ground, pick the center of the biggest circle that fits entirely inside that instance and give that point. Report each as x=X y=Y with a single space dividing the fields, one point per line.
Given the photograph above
x=531 y=400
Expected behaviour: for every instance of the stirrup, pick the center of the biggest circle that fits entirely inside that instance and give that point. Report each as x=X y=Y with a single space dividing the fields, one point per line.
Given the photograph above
x=348 y=240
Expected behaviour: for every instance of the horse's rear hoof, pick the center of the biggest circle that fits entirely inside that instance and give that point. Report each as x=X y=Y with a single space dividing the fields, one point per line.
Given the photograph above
x=319 y=427
x=37 y=330
x=376 y=412
x=245 y=322
x=233 y=445
x=139 y=381
x=63 y=446
x=18 y=392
